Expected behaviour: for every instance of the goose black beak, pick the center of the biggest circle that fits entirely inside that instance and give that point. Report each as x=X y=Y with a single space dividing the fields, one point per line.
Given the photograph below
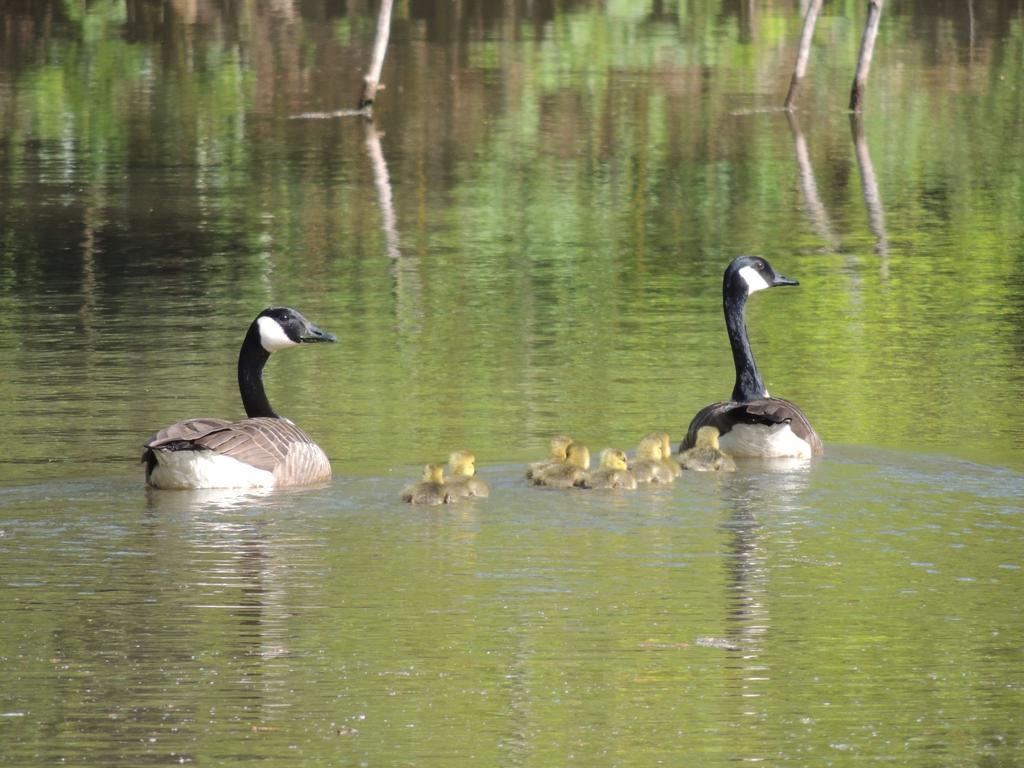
x=780 y=280
x=313 y=335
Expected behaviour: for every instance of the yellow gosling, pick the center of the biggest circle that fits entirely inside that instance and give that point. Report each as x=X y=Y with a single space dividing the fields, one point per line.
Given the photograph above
x=568 y=473
x=559 y=446
x=667 y=457
x=614 y=472
x=462 y=481
x=431 y=488
x=706 y=455
x=649 y=465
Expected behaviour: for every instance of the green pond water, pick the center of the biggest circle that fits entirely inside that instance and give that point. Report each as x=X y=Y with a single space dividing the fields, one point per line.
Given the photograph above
x=527 y=240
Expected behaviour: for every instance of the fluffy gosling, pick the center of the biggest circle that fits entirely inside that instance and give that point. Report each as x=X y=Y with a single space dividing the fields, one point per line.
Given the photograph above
x=613 y=473
x=431 y=488
x=649 y=465
x=568 y=473
x=462 y=481
x=706 y=455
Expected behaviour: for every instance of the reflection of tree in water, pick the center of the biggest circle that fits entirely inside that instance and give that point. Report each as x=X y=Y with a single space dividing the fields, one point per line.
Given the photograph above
x=816 y=210
x=869 y=188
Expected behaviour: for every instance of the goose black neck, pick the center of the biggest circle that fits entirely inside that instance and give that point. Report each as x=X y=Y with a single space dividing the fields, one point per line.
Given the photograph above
x=251 y=359
x=749 y=385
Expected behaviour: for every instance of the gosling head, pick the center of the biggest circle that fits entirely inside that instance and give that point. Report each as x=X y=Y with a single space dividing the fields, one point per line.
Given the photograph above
x=666 y=443
x=578 y=455
x=707 y=437
x=613 y=458
x=462 y=463
x=650 y=448
x=433 y=473
x=559 y=446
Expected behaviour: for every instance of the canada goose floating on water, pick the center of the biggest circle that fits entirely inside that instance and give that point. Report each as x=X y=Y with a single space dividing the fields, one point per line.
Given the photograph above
x=707 y=454
x=556 y=456
x=463 y=482
x=649 y=465
x=261 y=451
x=568 y=473
x=431 y=489
x=613 y=472
x=666 y=450
x=753 y=423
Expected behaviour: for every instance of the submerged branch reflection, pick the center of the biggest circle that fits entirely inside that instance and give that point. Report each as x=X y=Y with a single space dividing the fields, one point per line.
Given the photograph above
x=820 y=219
x=382 y=183
x=869 y=187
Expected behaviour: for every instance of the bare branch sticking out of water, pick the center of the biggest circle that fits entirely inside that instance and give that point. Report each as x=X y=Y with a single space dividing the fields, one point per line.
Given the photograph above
x=329 y=115
x=867 y=49
x=371 y=81
x=803 y=52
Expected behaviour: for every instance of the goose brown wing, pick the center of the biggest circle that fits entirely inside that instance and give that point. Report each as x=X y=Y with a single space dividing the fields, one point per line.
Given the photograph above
x=185 y=431
x=714 y=415
x=263 y=443
x=768 y=411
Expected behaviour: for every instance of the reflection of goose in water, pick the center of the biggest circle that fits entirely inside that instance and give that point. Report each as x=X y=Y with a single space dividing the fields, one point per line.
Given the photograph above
x=262 y=450
x=217 y=499
x=759 y=497
x=753 y=423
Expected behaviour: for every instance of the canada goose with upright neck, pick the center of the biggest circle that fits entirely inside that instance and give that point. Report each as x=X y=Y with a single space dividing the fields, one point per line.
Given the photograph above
x=753 y=423
x=261 y=451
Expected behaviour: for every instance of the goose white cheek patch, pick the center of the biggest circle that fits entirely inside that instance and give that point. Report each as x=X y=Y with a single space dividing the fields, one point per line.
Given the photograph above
x=753 y=280
x=272 y=335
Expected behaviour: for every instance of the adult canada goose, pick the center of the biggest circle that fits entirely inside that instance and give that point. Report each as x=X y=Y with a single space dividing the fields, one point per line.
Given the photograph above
x=431 y=489
x=707 y=454
x=568 y=473
x=263 y=450
x=753 y=423
x=649 y=466
x=462 y=481
x=613 y=472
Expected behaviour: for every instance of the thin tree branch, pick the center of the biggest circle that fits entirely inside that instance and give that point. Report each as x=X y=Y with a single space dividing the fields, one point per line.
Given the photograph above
x=804 y=51
x=371 y=81
x=867 y=48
